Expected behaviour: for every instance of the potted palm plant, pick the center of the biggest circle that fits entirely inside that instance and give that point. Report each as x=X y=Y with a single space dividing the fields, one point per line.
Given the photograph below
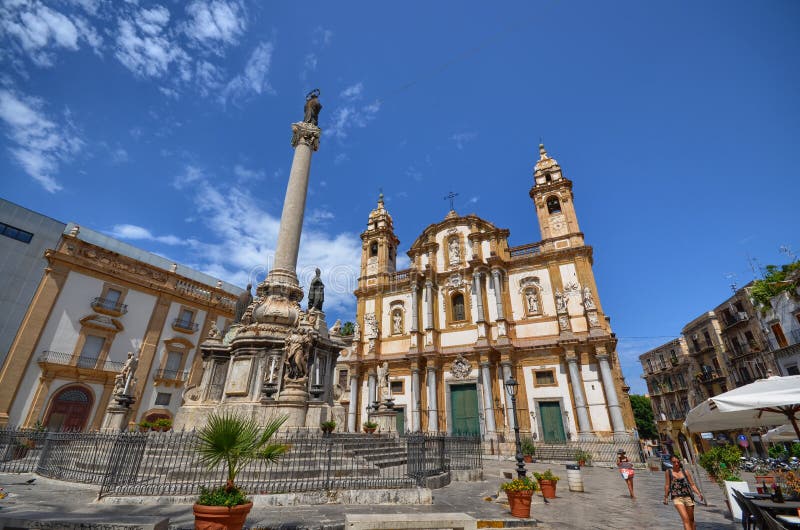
x=528 y=449
x=547 y=483
x=327 y=426
x=583 y=457
x=370 y=426
x=233 y=441
x=519 y=492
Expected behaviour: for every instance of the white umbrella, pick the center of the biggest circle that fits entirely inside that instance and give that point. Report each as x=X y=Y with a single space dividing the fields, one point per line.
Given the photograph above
x=784 y=433
x=764 y=403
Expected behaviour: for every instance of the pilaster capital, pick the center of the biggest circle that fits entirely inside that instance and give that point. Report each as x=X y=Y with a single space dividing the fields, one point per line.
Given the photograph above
x=306 y=134
x=600 y=350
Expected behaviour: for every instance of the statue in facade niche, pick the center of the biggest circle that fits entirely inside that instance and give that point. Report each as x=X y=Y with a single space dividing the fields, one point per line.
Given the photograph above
x=532 y=301
x=316 y=292
x=312 y=107
x=242 y=303
x=383 y=380
x=588 y=299
x=561 y=302
x=455 y=251
x=397 y=322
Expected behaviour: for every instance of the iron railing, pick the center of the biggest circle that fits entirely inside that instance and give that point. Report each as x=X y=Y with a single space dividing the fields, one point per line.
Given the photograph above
x=109 y=305
x=172 y=375
x=525 y=250
x=167 y=463
x=602 y=451
x=70 y=359
x=187 y=325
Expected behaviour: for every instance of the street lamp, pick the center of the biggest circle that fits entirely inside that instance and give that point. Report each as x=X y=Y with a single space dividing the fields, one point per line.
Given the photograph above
x=511 y=387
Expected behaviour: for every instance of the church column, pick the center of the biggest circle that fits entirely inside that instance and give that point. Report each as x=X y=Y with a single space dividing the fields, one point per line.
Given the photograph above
x=433 y=412
x=498 y=292
x=371 y=385
x=476 y=285
x=429 y=304
x=584 y=427
x=488 y=400
x=352 y=412
x=416 y=414
x=506 y=365
x=414 y=309
x=614 y=408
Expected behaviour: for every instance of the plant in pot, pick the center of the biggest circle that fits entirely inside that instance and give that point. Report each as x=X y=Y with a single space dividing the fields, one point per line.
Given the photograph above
x=547 y=483
x=722 y=465
x=327 y=426
x=583 y=457
x=528 y=449
x=519 y=492
x=234 y=442
x=162 y=424
x=145 y=425
x=370 y=426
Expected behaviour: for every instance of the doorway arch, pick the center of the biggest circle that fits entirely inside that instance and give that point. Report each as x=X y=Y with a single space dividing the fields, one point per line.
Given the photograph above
x=69 y=409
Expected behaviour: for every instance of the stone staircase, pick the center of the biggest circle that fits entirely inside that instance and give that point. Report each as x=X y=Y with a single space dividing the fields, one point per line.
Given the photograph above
x=554 y=453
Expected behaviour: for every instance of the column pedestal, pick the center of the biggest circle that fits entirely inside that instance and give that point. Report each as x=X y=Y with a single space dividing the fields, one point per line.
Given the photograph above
x=386 y=420
x=293 y=401
x=116 y=418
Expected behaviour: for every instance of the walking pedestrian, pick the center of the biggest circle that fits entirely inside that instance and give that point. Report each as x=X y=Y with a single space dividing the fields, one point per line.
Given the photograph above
x=626 y=470
x=678 y=485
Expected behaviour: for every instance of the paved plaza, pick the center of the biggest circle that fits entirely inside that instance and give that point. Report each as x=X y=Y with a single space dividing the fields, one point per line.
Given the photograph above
x=604 y=504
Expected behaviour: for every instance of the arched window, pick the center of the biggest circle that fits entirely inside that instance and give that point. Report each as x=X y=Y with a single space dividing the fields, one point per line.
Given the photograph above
x=459 y=312
x=373 y=249
x=548 y=178
x=553 y=206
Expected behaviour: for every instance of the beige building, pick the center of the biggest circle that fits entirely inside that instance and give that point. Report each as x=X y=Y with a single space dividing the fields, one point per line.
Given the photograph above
x=471 y=311
x=99 y=299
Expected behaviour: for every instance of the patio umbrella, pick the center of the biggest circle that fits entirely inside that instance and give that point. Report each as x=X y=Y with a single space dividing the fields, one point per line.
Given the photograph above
x=766 y=402
x=784 y=433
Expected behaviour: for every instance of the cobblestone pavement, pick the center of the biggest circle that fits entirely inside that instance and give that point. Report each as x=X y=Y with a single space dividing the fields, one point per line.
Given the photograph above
x=604 y=505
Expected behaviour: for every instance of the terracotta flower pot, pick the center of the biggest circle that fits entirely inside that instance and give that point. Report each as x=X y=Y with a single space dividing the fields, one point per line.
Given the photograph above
x=528 y=459
x=520 y=503
x=548 y=488
x=369 y=430
x=581 y=463
x=220 y=517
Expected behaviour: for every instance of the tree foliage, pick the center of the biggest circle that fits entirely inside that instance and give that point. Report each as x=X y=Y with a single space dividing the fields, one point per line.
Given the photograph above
x=643 y=414
x=347 y=329
x=774 y=282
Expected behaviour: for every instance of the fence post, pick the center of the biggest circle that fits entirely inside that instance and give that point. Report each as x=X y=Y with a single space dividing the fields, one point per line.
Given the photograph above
x=45 y=456
x=329 y=450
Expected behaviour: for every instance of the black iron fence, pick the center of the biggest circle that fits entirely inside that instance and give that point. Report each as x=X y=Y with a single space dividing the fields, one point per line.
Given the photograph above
x=166 y=463
x=592 y=451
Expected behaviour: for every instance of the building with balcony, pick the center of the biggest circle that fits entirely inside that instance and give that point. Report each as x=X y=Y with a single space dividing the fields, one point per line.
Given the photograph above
x=746 y=350
x=96 y=300
x=703 y=337
x=781 y=324
x=24 y=236
x=471 y=311
x=668 y=371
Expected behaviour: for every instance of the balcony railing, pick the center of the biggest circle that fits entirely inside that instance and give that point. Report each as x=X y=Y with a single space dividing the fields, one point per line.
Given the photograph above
x=525 y=250
x=185 y=325
x=736 y=318
x=172 y=375
x=113 y=306
x=69 y=359
x=708 y=377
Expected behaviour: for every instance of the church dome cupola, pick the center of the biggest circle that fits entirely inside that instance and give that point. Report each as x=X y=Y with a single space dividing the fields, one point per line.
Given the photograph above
x=546 y=170
x=379 y=248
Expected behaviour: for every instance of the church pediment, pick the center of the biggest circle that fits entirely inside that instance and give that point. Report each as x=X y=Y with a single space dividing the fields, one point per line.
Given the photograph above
x=472 y=222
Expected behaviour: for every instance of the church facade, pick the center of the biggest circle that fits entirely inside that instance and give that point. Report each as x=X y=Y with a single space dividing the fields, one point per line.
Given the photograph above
x=470 y=312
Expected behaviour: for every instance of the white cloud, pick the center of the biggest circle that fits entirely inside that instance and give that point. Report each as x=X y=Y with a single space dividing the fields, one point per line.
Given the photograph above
x=37 y=29
x=254 y=78
x=119 y=156
x=322 y=37
x=145 y=45
x=350 y=116
x=190 y=175
x=319 y=216
x=40 y=143
x=414 y=173
x=340 y=158
x=352 y=92
x=246 y=174
x=138 y=233
x=463 y=138
x=212 y=22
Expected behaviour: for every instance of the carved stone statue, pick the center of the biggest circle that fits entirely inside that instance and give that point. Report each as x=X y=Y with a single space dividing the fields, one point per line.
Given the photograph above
x=383 y=380
x=397 y=323
x=297 y=356
x=242 y=304
x=119 y=385
x=532 y=301
x=213 y=332
x=312 y=107
x=336 y=328
x=455 y=251
x=588 y=299
x=561 y=302
x=316 y=292
x=356 y=332
x=127 y=373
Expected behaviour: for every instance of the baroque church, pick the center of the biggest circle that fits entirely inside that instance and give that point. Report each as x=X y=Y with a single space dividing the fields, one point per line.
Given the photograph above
x=470 y=312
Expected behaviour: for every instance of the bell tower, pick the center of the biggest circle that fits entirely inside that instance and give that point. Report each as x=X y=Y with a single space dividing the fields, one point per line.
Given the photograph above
x=552 y=195
x=379 y=246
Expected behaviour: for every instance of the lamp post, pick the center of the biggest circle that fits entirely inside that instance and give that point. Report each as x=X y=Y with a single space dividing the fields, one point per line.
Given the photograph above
x=511 y=387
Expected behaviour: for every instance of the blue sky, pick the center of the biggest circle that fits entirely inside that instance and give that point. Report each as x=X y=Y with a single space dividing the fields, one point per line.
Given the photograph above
x=167 y=125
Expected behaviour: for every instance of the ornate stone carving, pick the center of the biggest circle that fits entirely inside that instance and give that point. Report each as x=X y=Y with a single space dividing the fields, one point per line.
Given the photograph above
x=588 y=299
x=316 y=292
x=455 y=281
x=594 y=322
x=371 y=325
x=383 y=380
x=242 y=303
x=454 y=251
x=561 y=302
x=532 y=281
x=336 y=328
x=397 y=322
x=213 y=332
x=306 y=134
x=563 y=322
x=297 y=348
x=356 y=332
x=461 y=368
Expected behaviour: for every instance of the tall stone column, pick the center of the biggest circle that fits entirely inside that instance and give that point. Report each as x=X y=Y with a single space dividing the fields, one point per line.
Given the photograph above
x=416 y=414
x=352 y=411
x=433 y=408
x=414 y=309
x=476 y=283
x=614 y=408
x=428 y=304
x=509 y=408
x=488 y=400
x=498 y=300
x=371 y=385
x=584 y=426
x=283 y=276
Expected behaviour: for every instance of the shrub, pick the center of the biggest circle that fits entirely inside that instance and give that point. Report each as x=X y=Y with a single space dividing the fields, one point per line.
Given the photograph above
x=580 y=454
x=220 y=496
x=520 y=484
x=528 y=447
x=777 y=451
x=369 y=424
x=163 y=424
x=547 y=475
x=722 y=462
x=328 y=425
x=796 y=449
